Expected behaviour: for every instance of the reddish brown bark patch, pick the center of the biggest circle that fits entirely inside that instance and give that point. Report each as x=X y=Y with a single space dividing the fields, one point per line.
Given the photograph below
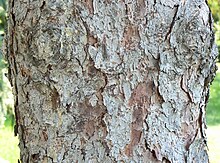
x=138 y=118
x=189 y=133
x=44 y=135
x=89 y=128
x=140 y=102
x=135 y=139
x=131 y=37
x=91 y=120
x=89 y=5
x=92 y=40
x=141 y=94
x=87 y=111
x=55 y=99
x=24 y=71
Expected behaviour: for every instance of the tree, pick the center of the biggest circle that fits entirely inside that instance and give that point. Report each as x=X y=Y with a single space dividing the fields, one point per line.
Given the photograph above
x=110 y=81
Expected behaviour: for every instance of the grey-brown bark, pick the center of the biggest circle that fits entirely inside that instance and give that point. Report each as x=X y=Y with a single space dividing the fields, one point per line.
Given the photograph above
x=110 y=81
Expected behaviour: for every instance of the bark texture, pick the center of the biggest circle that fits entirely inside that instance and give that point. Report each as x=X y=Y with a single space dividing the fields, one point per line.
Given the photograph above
x=110 y=80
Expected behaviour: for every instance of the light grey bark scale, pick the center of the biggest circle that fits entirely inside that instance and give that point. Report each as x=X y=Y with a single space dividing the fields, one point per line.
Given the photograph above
x=110 y=81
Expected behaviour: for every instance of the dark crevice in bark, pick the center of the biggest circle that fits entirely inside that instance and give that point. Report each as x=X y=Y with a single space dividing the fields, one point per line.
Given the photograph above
x=55 y=98
x=83 y=152
x=42 y=6
x=202 y=39
x=27 y=12
x=16 y=109
x=92 y=70
x=187 y=93
x=106 y=81
x=35 y=157
x=165 y=160
x=154 y=4
x=50 y=159
x=162 y=99
x=104 y=49
x=210 y=16
x=153 y=154
x=107 y=149
x=12 y=14
x=16 y=123
x=86 y=46
x=207 y=97
x=172 y=23
x=200 y=122
x=13 y=19
x=191 y=141
x=80 y=64
x=126 y=9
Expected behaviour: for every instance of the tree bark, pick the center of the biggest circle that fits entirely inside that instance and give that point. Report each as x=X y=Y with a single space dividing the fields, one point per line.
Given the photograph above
x=110 y=81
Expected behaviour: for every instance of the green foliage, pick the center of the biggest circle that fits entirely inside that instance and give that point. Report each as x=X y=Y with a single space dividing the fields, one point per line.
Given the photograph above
x=3 y=3
x=213 y=107
x=3 y=14
x=6 y=101
x=8 y=145
x=215 y=8
x=217 y=37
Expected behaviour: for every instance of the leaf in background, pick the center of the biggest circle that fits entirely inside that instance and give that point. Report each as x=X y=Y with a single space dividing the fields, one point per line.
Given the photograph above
x=3 y=4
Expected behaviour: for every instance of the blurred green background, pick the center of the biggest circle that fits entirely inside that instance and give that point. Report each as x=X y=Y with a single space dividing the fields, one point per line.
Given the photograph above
x=9 y=151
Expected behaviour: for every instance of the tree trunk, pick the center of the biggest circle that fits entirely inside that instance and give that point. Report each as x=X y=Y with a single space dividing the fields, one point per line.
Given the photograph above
x=110 y=81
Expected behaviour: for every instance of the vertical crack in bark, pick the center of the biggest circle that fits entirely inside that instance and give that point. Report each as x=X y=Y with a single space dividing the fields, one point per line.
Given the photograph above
x=184 y=90
x=42 y=6
x=191 y=140
x=80 y=64
x=104 y=49
x=155 y=2
x=12 y=12
x=86 y=46
x=55 y=98
x=172 y=23
x=126 y=9
x=93 y=70
x=200 y=122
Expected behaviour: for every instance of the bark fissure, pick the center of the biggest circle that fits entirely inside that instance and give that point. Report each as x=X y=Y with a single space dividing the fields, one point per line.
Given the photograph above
x=186 y=91
x=43 y=5
x=172 y=23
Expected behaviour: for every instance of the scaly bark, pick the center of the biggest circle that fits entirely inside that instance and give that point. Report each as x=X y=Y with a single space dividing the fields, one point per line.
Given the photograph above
x=110 y=81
